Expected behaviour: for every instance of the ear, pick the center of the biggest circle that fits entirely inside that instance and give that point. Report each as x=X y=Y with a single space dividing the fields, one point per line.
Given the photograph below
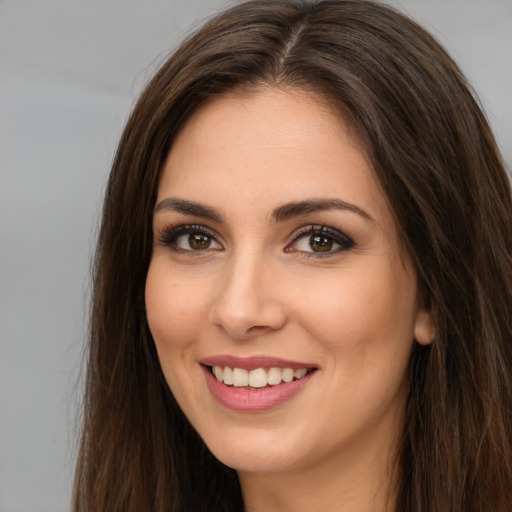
x=424 y=328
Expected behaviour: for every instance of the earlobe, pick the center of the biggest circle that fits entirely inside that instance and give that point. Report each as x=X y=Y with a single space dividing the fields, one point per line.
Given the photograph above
x=424 y=328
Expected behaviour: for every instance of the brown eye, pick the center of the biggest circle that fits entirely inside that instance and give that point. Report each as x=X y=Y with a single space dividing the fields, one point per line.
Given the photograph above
x=320 y=243
x=190 y=238
x=199 y=242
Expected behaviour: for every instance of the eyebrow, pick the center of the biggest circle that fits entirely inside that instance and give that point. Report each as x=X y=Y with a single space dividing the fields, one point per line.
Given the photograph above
x=295 y=209
x=279 y=214
x=189 y=208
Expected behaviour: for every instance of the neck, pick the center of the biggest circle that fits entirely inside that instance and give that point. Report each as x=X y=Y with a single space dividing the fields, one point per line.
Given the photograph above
x=361 y=479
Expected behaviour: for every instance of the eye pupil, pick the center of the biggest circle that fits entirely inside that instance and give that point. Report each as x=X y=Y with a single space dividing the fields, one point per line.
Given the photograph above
x=198 y=241
x=320 y=243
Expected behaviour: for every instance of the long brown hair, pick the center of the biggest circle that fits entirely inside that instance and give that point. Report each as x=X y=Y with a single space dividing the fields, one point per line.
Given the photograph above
x=436 y=160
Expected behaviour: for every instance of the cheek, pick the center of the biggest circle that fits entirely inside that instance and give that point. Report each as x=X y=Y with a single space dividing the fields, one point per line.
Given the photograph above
x=366 y=325
x=173 y=308
x=363 y=312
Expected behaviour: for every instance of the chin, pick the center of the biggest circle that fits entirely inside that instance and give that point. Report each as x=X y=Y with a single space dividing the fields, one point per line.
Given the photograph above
x=247 y=461
x=256 y=452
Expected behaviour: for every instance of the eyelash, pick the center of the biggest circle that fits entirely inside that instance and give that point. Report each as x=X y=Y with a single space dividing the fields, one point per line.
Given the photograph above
x=345 y=243
x=170 y=234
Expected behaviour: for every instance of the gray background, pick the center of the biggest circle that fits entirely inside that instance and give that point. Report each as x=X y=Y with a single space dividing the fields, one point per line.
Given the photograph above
x=70 y=71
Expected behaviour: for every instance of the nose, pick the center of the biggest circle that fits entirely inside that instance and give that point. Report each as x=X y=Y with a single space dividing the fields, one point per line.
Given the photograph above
x=248 y=302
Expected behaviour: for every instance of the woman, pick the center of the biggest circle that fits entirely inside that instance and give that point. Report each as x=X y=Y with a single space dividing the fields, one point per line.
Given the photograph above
x=303 y=281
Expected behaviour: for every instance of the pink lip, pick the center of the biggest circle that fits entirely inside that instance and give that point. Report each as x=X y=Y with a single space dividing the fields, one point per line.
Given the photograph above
x=246 y=400
x=251 y=363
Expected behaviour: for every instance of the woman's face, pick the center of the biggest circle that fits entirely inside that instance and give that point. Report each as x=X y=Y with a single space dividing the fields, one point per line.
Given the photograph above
x=276 y=258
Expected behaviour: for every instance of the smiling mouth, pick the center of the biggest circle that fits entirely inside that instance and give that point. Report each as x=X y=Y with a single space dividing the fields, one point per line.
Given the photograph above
x=258 y=378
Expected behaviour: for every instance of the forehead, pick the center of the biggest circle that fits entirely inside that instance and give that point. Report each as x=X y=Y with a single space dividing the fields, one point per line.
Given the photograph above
x=265 y=146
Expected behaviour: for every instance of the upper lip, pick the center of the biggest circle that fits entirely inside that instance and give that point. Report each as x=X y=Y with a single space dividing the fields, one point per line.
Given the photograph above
x=253 y=362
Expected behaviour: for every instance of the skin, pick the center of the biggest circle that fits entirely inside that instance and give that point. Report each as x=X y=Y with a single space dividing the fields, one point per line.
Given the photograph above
x=261 y=289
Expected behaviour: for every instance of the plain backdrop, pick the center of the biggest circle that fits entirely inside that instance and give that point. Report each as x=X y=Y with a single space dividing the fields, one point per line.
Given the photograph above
x=70 y=71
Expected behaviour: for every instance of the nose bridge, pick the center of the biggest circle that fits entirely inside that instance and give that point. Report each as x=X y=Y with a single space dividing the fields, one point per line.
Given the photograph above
x=247 y=302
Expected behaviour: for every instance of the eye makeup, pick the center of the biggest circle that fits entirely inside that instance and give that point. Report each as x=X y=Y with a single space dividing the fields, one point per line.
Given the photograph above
x=199 y=239
x=310 y=240
x=319 y=241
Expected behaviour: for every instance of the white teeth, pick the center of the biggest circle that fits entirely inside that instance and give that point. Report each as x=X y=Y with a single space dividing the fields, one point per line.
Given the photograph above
x=218 y=372
x=298 y=373
x=228 y=375
x=240 y=377
x=274 y=376
x=257 y=378
x=288 y=374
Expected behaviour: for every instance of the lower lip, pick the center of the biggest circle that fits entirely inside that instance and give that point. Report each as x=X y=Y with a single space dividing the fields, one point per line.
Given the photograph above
x=246 y=400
